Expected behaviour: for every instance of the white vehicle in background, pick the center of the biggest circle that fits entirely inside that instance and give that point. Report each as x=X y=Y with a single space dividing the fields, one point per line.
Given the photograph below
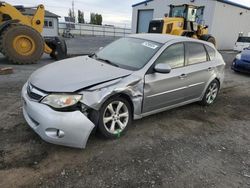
x=242 y=43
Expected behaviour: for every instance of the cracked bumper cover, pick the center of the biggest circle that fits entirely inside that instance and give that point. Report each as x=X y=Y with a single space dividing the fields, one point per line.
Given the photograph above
x=63 y=128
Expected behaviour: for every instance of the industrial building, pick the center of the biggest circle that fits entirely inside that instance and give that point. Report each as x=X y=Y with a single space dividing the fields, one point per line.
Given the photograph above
x=51 y=22
x=224 y=18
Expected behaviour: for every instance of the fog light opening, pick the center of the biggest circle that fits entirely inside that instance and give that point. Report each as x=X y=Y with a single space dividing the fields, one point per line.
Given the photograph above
x=54 y=133
x=60 y=133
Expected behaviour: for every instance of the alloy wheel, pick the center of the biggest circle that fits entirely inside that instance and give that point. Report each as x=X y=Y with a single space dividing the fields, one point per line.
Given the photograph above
x=212 y=93
x=116 y=117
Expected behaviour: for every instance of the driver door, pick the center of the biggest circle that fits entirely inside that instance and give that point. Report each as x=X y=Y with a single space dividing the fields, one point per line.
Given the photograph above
x=166 y=89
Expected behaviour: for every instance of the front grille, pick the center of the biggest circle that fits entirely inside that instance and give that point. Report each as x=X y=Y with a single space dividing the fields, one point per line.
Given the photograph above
x=34 y=93
x=156 y=26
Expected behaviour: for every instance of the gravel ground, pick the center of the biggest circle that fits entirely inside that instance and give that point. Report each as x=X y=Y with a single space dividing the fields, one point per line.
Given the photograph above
x=191 y=146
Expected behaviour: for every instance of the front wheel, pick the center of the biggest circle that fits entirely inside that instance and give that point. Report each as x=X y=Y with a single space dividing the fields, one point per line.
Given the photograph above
x=115 y=117
x=211 y=93
x=21 y=44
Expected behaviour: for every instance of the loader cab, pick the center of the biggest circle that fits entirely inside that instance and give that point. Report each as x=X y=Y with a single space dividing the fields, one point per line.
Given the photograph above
x=181 y=17
x=193 y=15
x=188 y=12
x=183 y=20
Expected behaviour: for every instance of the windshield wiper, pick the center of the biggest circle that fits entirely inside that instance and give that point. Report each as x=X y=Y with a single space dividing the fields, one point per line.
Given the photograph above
x=93 y=55
x=106 y=61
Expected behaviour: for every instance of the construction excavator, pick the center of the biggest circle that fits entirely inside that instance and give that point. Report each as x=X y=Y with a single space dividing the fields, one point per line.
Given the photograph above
x=21 y=41
x=182 y=21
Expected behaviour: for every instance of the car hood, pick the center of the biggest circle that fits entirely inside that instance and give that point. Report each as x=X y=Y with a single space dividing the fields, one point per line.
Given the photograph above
x=245 y=55
x=75 y=74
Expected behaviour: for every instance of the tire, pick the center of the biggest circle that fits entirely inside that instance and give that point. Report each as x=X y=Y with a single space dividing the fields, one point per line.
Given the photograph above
x=114 y=120
x=63 y=47
x=59 y=48
x=53 y=53
x=212 y=40
x=208 y=38
x=211 y=93
x=13 y=49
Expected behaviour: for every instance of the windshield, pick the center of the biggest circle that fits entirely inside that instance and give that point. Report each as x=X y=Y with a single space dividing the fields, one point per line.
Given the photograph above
x=178 y=11
x=244 y=39
x=128 y=53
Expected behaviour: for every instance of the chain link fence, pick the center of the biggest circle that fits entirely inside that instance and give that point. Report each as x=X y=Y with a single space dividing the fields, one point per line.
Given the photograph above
x=93 y=30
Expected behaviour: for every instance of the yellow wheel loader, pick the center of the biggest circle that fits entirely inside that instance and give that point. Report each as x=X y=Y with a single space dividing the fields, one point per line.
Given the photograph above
x=21 y=41
x=182 y=21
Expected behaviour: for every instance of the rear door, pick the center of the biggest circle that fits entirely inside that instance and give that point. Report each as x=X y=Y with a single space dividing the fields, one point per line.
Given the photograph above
x=199 y=69
x=144 y=18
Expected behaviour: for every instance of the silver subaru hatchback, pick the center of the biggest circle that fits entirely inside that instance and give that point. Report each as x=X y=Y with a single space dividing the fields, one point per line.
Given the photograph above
x=131 y=78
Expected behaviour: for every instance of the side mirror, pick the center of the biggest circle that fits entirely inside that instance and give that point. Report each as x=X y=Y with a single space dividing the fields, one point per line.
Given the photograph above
x=162 y=68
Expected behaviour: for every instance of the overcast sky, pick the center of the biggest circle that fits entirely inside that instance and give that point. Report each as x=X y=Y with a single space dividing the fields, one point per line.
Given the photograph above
x=116 y=12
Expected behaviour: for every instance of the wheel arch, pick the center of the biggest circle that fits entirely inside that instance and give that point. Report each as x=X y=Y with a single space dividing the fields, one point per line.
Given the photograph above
x=126 y=97
x=216 y=78
x=6 y=24
x=208 y=83
x=94 y=112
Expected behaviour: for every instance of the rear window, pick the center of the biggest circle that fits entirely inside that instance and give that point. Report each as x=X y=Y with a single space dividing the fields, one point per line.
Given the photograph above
x=196 y=53
x=244 y=39
x=211 y=52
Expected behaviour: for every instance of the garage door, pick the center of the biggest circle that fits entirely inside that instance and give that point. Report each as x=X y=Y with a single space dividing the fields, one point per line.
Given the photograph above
x=144 y=17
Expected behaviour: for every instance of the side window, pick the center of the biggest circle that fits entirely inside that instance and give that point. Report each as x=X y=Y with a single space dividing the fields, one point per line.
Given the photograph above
x=196 y=53
x=211 y=52
x=48 y=23
x=173 y=55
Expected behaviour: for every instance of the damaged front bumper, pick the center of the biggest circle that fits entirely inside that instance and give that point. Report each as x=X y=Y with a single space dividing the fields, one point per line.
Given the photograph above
x=63 y=128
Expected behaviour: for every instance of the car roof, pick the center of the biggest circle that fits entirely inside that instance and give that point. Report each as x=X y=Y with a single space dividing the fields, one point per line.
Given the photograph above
x=164 y=38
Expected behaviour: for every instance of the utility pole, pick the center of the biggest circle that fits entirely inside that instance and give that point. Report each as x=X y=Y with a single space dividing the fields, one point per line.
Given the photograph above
x=73 y=8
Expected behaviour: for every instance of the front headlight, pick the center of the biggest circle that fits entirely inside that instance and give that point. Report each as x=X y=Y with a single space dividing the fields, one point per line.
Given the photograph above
x=61 y=100
x=238 y=57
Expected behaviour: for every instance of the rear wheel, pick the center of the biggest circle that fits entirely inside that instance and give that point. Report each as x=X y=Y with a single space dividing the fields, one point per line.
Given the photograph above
x=212 y=40
x=211 y=93
x=21 y=44
x=208 y=38
x=59 y=48
x=115 y=117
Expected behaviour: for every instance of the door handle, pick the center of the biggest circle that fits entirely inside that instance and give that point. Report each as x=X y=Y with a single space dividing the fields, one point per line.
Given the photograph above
x=183 y=76
x=210 y=69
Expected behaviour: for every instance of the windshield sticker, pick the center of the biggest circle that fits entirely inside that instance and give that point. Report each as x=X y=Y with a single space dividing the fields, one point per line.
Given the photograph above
x=150 y=45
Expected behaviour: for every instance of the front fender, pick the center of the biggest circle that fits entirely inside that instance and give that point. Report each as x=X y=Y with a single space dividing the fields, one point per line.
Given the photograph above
x=130 y=86
x=6 y=24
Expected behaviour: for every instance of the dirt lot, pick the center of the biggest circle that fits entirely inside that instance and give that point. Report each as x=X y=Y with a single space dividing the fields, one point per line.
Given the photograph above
x=191 y=146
